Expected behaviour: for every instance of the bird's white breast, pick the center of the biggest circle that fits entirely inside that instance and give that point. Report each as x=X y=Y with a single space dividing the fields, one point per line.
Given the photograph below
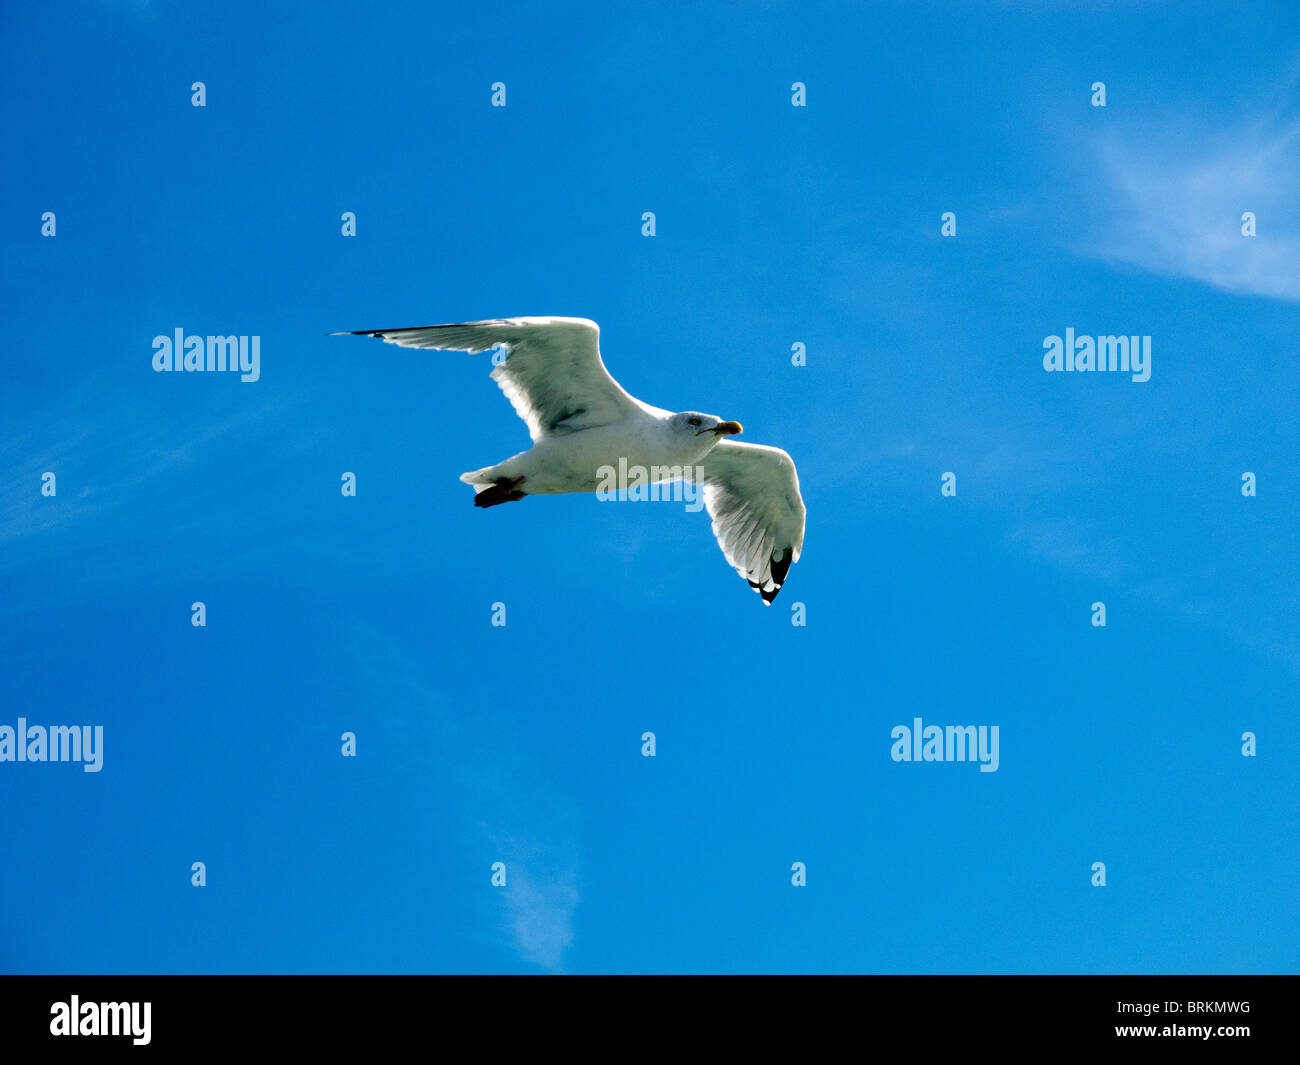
x=575 y=462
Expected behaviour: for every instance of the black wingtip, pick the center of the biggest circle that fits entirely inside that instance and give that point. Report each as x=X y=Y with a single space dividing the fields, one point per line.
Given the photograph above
x=781 y=566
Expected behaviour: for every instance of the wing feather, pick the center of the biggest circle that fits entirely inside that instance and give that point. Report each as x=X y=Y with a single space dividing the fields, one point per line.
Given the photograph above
x=752 y=494
x=553 y=374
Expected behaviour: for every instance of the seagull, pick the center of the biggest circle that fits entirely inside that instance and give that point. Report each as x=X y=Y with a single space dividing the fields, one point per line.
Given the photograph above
x=582 y=421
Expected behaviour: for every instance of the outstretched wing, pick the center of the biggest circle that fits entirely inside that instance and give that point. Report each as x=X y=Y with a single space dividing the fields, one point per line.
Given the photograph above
x=752 y=494
x=552 y=374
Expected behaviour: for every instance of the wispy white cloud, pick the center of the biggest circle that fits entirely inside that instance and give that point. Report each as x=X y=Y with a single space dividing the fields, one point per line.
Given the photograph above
x=1172 y=203
x=1071 y=545
x=114 y=457
x=541 y=895
x=518 y=817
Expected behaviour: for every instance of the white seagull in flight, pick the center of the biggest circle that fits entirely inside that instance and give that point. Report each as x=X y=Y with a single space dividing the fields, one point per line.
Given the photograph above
x=581 y=420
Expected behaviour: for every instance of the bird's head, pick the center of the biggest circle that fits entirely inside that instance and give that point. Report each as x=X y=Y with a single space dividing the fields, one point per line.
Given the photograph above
x=703 y=430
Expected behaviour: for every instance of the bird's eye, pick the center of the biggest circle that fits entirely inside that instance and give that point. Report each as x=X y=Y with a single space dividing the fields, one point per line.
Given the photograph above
x=696 y=421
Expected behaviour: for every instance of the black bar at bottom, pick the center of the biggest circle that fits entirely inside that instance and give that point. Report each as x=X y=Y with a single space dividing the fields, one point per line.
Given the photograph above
x=336 y=1014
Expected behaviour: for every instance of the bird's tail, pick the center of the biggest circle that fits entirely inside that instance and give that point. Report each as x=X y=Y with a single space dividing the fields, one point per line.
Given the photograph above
x=480 y=479
x=493 y=492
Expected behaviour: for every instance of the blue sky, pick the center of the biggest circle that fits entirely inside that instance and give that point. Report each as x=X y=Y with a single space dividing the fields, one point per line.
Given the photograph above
x=521 y=744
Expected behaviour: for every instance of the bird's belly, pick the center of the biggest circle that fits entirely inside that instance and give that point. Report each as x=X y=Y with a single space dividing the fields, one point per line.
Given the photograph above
x=587 y=461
